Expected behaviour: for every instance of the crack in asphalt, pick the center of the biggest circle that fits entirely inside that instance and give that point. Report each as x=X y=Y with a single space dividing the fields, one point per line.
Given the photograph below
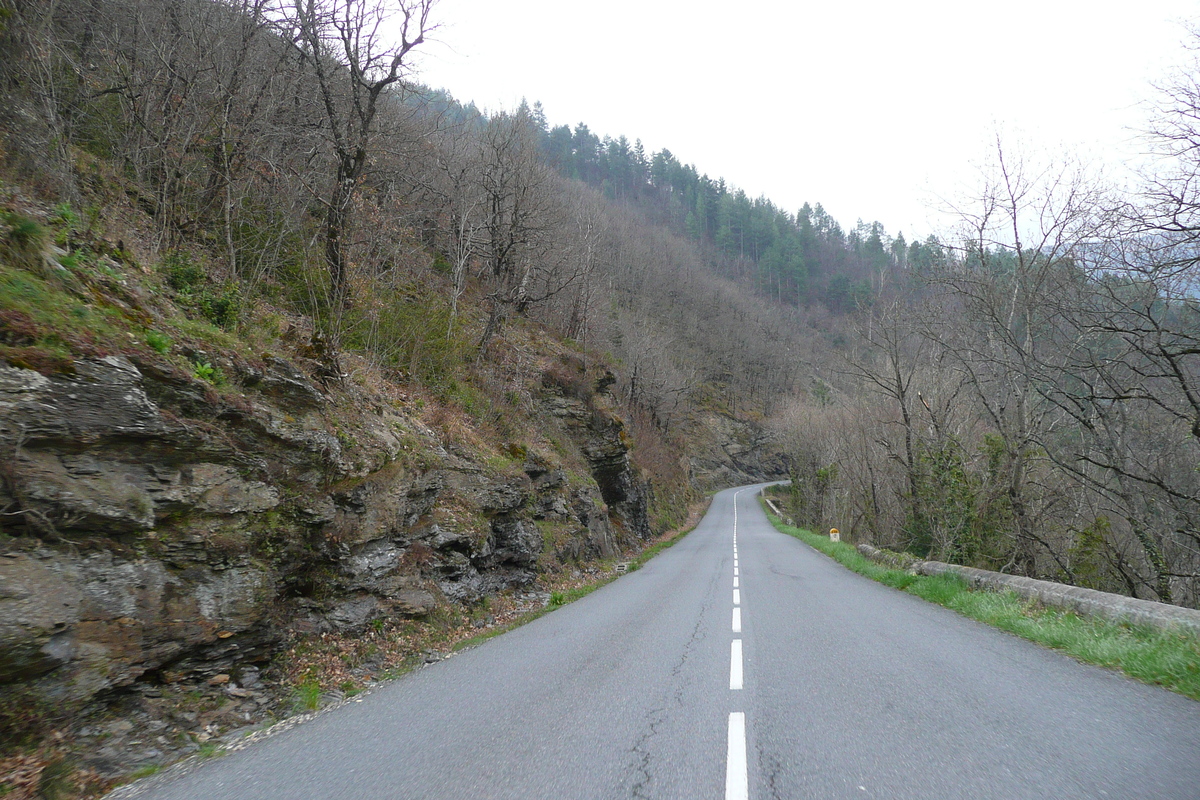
x=771 y=767
x=774 y=570
x=657 y=716
x=642 y=750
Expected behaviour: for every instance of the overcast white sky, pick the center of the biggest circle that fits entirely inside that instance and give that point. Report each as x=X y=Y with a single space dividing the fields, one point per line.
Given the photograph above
x=872 y=108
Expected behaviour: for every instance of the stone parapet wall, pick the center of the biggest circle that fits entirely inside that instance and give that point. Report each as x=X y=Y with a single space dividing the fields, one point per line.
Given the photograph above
x=1085 y=602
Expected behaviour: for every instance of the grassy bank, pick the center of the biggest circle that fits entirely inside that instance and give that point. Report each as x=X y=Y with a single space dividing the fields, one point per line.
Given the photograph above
x=1170 y=660
x=562 y=598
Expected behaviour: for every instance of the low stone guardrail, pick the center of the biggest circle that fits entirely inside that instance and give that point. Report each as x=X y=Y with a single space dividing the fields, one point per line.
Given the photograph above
x=889 y=558
x=1085 y=602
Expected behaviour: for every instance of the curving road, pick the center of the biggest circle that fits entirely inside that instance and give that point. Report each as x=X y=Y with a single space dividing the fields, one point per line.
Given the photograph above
x=739 y=663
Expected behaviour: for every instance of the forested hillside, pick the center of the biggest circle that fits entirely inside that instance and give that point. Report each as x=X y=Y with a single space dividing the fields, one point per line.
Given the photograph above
x=1021 y=396
x=1027 y=402
x=307 y=370
x=304 y=361
x=802 y=258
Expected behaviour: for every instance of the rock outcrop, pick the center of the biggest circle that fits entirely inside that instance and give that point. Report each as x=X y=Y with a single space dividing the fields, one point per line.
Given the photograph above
x=727 y=451
x=153 y=526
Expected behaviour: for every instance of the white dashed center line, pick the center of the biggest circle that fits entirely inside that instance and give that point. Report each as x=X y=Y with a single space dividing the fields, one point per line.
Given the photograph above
x=735 y=664
x=737 y=783
x=737 y=779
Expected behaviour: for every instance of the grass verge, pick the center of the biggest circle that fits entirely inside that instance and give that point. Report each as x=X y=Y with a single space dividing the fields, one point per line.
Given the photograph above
x=1167 y=659
x=559 y=599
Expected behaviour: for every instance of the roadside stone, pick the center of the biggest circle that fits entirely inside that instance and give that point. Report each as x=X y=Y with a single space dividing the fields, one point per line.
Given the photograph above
x=1085 y=602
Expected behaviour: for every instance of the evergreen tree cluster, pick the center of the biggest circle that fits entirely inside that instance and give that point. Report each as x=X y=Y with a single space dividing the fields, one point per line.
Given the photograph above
x=798 y=259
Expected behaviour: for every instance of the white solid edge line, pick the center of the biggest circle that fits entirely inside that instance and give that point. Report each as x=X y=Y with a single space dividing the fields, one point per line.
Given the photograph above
x=737 y=781
x=737 y=620
x=735 y=664
x=737 y=597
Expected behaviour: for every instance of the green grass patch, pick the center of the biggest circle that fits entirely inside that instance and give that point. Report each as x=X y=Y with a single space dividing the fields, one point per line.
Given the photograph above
x=1168 y=659
x=559 y=599
x=49 y=317
x=158 y=342
x=654 y=549
x=308 y=696
x=145 y=772
x=208 y=749
x=219 y=304
x=21 y=240
x=571 y=595
x=36 y=313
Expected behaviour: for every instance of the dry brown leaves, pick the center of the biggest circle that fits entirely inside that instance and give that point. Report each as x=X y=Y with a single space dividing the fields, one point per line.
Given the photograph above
x=46 y=772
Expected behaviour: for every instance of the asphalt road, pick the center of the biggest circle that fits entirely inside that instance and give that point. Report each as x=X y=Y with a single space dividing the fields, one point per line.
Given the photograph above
x=834 y=687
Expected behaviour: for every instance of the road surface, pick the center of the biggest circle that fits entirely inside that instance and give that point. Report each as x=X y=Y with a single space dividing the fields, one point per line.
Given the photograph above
x=737 y=664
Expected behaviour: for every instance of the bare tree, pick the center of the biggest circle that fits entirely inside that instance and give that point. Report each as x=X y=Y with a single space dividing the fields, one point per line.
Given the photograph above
x=454 y=182
x=1019 y=238
x=347 y=45
x=894 y=348
x=517 y=197
x=1129 y=386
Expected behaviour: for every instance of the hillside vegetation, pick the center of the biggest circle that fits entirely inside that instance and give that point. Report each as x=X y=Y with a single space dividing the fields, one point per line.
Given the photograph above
x=308 y=369
x=308 y=372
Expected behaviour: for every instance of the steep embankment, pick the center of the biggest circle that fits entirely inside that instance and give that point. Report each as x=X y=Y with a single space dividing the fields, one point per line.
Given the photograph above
x=182 y=505
x=728 y=451
x=165 y=537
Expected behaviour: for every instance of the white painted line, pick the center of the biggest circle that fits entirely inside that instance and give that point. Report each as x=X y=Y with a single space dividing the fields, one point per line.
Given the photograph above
x=735 y=572
x=735 y=664
x=737 y=780
x=735 y=494
x=737 y=620
x=737 y=597
x=735 y=581
x=735 y=563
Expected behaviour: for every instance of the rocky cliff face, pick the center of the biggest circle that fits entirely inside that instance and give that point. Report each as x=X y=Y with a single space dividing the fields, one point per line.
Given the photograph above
x=154 y=527
x=727 y=451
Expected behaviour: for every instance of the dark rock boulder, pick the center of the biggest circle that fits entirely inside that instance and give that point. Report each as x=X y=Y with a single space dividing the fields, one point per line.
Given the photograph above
x=100 y=621
x=594 y=422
